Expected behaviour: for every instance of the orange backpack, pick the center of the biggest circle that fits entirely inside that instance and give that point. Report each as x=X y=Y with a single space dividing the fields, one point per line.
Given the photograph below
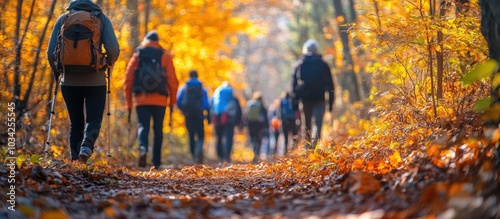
x=78 y=48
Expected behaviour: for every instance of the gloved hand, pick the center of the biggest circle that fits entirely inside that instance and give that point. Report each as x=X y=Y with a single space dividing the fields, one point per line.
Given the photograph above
x=171 y=112
x=129 y=115
x=297 y=114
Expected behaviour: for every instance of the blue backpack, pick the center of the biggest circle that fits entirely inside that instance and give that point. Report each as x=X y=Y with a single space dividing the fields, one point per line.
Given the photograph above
x=286 y=109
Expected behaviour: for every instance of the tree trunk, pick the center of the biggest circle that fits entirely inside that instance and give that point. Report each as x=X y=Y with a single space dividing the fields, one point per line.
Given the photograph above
x=490 y=24
x=147 y=8
x=38 y=50
x=134 y=22
x=17 y=65
x=440 y=55
x=349 y=80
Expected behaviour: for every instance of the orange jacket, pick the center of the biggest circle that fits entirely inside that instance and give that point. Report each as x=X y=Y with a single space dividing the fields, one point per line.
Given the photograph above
x=151 y=98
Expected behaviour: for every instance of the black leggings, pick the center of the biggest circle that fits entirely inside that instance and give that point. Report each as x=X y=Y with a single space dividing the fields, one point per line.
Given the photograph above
x=84 y=130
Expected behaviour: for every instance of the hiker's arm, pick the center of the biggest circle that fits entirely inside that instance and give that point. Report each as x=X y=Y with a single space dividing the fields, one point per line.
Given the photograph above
x=180 y=96
x=204 y=100
x=206 y=105
x=329 y=87
x=52 y=44
x=294 y=93
x=129 y=79
x=110 y=42
x=172 y=82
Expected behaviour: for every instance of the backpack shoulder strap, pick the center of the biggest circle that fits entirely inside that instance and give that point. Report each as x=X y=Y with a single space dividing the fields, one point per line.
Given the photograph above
x=101 y=19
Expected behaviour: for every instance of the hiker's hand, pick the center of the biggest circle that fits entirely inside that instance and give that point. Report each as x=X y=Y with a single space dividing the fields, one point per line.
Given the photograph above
x=297 y=114
x=56 y=74
x=110 y=66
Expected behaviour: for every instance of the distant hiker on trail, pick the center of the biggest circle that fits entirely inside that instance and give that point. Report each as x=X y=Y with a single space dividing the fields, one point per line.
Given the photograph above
x=311 y=79
x=225 y=110
x=274 y=127
x=152 y=81
x=288 y=119
x=257 y=123
x=75 y=53
x=192 y=99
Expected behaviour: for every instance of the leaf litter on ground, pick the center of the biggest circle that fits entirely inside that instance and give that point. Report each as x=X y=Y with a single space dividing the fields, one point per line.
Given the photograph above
x=454 y=182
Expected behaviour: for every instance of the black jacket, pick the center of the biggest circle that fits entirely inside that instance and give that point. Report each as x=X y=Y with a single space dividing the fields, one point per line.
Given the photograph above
x=311 y=79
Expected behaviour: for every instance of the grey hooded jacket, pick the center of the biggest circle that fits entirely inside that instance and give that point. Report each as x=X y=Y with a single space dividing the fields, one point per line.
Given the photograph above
x=108 y=40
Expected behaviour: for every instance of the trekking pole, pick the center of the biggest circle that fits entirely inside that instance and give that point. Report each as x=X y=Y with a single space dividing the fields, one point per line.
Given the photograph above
x=129 y=142
x=47 y=142
x=109 y=112
x=170 y=140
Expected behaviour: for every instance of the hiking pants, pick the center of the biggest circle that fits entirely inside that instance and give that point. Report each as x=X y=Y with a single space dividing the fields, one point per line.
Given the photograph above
x=83 y=130
x=276 y=136
x=257 y=132
x=144 y=116
x=225 y=134
x=316 y=111
x=195 y=128
x=289 y=127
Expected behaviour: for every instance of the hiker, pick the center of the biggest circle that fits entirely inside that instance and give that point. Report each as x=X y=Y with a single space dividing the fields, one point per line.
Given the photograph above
x=225 y=110
x=311 y=79
x=192 y=100
x=288 y=120
x=152 y=82
x=83 y=85
x=274 y=126
x=257 y=123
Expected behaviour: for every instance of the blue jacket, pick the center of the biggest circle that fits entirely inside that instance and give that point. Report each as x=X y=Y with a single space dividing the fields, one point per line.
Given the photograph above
x=181 y=94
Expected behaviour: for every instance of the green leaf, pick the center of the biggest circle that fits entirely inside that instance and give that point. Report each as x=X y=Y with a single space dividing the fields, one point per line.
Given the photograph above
x=481 y=71
x=35 y=158
x=20 y=159
x=483 y=104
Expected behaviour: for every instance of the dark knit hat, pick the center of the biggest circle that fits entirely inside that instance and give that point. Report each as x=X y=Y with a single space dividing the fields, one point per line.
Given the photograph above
x=193 y=74
x=152 y=35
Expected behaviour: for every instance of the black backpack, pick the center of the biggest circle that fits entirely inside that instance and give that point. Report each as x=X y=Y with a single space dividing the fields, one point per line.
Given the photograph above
x=150 y=75
x=191 y=103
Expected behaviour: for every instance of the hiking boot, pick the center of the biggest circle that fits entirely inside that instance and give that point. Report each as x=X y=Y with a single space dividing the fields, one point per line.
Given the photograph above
x=85 y=153
x=142 y=156
x=198 y=157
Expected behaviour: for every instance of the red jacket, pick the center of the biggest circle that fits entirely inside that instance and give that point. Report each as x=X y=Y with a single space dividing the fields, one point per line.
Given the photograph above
x=151 y=98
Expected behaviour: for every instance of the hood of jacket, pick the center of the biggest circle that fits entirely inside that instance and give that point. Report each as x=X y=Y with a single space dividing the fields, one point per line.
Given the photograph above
x=154 y=44
x=86 y=5
x=312 y=57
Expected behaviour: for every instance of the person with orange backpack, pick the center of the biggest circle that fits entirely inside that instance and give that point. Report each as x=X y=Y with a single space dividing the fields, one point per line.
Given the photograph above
x=75 y=52
x=152 y=83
